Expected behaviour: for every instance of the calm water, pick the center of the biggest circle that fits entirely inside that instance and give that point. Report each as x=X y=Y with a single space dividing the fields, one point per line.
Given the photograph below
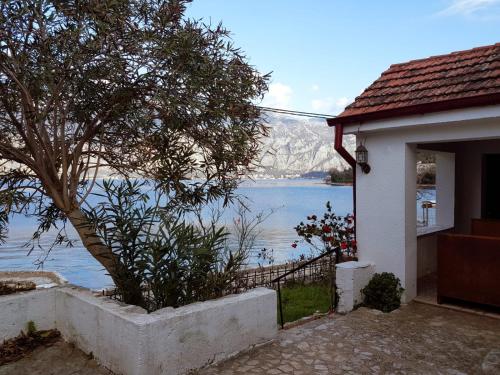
x=291 y=201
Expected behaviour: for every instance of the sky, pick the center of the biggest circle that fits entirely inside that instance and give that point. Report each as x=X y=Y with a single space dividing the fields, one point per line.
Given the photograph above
x=324 y=53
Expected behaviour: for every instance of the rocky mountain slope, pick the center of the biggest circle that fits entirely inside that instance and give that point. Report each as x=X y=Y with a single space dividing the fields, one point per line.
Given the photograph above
x=297 y=145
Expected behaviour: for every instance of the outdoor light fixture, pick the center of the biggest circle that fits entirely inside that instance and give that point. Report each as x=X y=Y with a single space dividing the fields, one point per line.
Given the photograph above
x=362 y=158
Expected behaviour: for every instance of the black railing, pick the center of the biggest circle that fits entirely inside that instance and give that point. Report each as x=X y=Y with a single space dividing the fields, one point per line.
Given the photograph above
x=304 y=271
x=331 y=264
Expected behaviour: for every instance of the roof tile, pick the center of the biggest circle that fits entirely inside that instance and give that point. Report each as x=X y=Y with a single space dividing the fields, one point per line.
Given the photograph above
x=462 y=78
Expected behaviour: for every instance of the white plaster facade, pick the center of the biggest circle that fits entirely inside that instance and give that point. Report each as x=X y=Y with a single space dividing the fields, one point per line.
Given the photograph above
x=127 y=340
x=386 y=209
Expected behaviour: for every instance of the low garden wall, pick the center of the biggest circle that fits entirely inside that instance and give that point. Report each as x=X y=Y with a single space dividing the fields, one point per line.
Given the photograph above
x=18 y=309
x=127 y=340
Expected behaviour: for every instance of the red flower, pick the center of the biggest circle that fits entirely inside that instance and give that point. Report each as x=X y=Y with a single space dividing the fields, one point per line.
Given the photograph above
x=294 y=245
x=354 y=243
x=326 y=229
x=343 y=245
x=329 y=239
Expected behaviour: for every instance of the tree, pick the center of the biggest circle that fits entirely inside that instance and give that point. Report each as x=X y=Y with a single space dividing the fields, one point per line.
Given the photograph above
x=129 y=87
x=341 y=175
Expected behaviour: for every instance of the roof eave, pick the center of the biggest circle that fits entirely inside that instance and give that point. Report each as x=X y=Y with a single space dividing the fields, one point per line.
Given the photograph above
x=461 y=103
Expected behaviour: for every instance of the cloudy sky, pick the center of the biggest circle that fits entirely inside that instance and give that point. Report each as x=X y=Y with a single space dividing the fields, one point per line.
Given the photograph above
x=323 y=53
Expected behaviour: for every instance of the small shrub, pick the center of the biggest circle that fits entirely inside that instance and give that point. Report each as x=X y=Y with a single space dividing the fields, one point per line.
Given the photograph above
x=383 y=292
x=31 y=328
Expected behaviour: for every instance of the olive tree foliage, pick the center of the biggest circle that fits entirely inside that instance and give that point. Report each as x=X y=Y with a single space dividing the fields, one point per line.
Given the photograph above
x=132 y=88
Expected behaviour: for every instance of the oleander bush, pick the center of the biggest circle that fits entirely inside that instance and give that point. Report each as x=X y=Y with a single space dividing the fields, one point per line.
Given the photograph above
x=165 y=257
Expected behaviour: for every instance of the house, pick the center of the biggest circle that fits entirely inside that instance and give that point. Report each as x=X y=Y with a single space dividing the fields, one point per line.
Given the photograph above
x=446 y=105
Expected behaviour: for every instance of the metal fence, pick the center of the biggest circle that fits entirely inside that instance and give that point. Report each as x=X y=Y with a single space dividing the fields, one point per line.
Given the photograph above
x=328 y=259
x=305 y=271
x=318 y=269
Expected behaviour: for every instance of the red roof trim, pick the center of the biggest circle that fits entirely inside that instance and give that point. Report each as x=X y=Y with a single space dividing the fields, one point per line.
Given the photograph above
x=473 y=101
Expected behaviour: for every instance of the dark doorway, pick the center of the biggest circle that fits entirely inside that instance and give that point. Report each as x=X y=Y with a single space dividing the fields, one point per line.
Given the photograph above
x=491 y=187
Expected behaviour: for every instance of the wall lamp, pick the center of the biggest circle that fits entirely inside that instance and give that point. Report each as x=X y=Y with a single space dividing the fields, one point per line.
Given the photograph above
x=362 y=158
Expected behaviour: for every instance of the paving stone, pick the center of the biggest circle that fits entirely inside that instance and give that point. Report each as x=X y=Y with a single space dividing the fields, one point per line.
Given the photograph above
x=416 y=339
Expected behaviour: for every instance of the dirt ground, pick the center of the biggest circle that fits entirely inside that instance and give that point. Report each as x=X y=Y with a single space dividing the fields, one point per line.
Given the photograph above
x=59 y=359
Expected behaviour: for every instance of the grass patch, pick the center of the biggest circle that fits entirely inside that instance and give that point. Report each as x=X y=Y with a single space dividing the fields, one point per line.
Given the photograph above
x=301 y=300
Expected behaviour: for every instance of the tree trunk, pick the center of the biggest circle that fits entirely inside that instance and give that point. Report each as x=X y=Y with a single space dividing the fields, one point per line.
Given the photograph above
x=126 y=283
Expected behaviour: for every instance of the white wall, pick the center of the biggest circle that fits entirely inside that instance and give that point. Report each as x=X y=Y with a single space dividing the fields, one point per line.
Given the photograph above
x=386 y=209
x=128 y=341
x=445 y=189
x=102 y=327
x=426 y=255
x=203 y=333
x=16 y=310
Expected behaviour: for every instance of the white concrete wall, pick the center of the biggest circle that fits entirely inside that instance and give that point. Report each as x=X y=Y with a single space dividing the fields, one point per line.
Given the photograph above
x=16 y=310
x=409 y=279
x=102 y=327
x=351 y=278
x=128 y=341
x=445 y=189
x=203 y=333
x=386 y=209
x=426 y=255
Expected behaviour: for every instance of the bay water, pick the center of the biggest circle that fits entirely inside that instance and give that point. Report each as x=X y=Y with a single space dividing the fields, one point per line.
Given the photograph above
x=289 y=200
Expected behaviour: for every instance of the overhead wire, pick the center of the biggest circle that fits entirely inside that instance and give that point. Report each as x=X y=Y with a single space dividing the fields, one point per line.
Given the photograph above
x=295 y=113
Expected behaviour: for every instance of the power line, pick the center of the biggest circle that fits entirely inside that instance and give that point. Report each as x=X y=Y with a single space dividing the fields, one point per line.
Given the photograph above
x=295 y=113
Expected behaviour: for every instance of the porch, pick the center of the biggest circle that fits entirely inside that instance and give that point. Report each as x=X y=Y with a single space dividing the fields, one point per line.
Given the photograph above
x=458 y=254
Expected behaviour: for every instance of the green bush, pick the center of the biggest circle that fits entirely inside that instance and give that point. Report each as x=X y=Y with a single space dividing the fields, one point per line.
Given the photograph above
x=383 y=292
x=164 y=257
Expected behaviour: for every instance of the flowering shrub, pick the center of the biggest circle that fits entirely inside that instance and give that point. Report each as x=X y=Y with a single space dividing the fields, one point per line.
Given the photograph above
x=329 y=232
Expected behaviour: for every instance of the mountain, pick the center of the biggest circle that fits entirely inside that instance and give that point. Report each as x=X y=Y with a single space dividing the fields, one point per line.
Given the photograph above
x=297 y=146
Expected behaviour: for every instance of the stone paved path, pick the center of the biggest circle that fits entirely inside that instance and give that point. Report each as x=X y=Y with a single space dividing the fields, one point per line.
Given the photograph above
x=58 y=359
x=416 y=339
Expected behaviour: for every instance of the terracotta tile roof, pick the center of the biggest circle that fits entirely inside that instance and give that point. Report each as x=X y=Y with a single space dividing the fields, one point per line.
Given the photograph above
x=457 y=80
